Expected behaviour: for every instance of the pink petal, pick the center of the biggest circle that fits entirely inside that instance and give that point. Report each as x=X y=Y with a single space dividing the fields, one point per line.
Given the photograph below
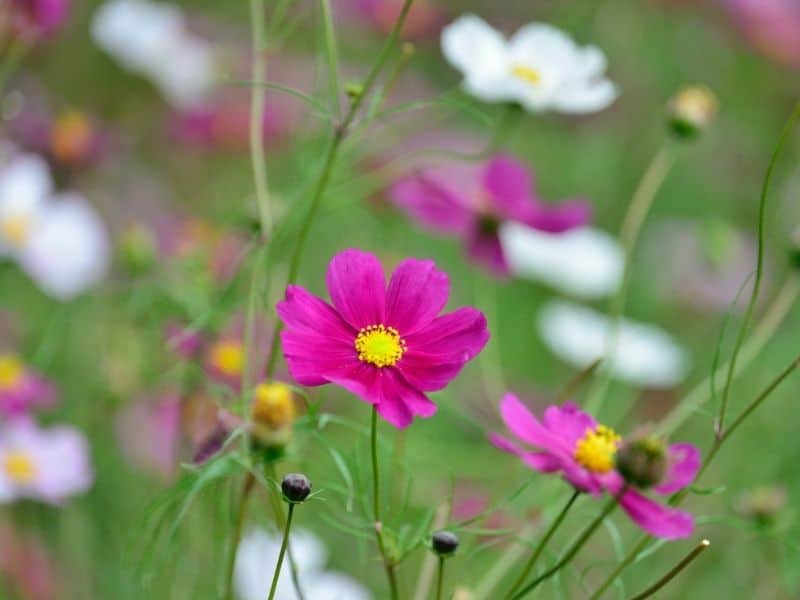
x=661 y=521
x=580 y=478
x=484 y=248
x=401 y=402
x=684 y=462
x=311 y=356
x=459 y=335
x=428 y=201
x=303 y=311
x=417 y=293
x=557 y=218
x=571 y=422
x=523 y=424
x=428 y=372
x=509 y=184
x=357 y=287
x=538 y=461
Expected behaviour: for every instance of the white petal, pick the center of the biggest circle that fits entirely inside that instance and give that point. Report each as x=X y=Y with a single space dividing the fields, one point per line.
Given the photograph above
x=584 y=262
x=585 y=97
x=331 y=585
x=68 y=251
x=25 y=183
x=644 y=355
x=543 y=45
x=476 y=49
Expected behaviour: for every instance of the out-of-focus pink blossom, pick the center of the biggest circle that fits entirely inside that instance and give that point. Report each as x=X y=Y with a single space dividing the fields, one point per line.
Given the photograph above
x=37 y=18
x=21 y=389
x=771 y=26
x=149 y=433
x=183 y=341
x=27 y=565
x=424 y=19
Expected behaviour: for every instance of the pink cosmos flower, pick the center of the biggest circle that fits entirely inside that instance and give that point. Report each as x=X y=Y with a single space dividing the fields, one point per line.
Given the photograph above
x=573 y=444
x=771 y=26
x=384 y=344
x=49 y=465
x=21 y=389
x=149 y=431
x=182 y=340
x=424 y=19
x=473 y=201
x=39 y=17
x=27 y=565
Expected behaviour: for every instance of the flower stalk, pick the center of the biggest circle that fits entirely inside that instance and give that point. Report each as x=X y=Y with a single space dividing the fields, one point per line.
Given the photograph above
x=284 y=544
x=376 y=507
x=698 y=550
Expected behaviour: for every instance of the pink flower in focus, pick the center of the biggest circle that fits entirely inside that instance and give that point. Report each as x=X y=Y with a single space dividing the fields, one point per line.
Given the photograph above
x=772 y=26
x=473 y=201
x=21 y=389
x=573 y=444
x=49 y=465
x=149 y=433
x=384 y=344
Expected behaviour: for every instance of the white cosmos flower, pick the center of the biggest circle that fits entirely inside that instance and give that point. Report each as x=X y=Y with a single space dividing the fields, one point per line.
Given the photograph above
x=152 y=39
x=258 y=555
x=585 y=262
x=643 y=355
x=25 y=186
x=540 y=67
x=68 y=250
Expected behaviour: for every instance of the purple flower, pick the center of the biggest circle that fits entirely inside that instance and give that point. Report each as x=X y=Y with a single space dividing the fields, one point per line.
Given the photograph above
x=47 y=465
x=42 y=16
x=573 y=444
x=21 y=389
x=473 y=201
x=384 y=344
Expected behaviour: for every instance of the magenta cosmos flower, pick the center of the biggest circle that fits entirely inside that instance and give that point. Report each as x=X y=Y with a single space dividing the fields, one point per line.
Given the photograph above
x=384 y=344
x=47 y=465
x=473 y=201
x=21 y=389
x=573 y=444
x=43 y=17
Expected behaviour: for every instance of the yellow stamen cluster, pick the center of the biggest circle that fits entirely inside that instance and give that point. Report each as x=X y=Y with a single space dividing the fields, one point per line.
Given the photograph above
x=527 y=74
x=15 y=229
x=71 y=136
x=273 y=405
x=228 y=357
x=380 y=345
x=19 y=467
x=595 y=451
x=11 y=371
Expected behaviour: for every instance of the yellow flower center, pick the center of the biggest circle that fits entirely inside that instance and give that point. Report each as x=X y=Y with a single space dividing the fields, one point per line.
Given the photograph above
x=19 y=467
x=15 y=229
x=527 y=74
x=11 y=371
x=70 y=136
x=380 y=345
x=273 y=405
x=595 y=450
x=228 y=357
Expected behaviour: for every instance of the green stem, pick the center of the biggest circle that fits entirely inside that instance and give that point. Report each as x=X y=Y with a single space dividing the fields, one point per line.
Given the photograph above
x=340 y=133
x=677 y=498
x=632 y=224
x=764 y=331
x=543 y=543
x=284 y=544
x=257 y=116
x=332 y=55
x=673 y=572
x=376 y=506
x=748 y=315
x=247 y=488
x=573 y=550
x=280 y=522
x=440 y=578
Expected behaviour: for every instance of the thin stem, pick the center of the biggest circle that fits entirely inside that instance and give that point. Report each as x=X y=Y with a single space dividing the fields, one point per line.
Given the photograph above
x=764 y=331
x=632 y=223
x=748 y=315
x=284 y=544
x=677 y=498
x=440 y=578
x=376 y=506
x=428 y=569
x=247 y=488
x=332 y=55
x=543 y=543
x=573 y=550
x=280 y=521
x=257 y=116
x=674 y=571
x=340 y=132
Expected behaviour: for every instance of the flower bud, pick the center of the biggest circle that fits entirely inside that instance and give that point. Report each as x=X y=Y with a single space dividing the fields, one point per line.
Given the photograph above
x=444 y=543
x=296 y=487
x=762 y=504
x=642 y=462
x=691 y=110
x=137 y=249
x=272 y=414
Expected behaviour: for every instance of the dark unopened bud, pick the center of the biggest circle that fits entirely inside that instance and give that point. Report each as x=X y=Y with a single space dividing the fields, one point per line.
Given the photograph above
x=642 y=461
x=691 y=110
x=794 y=248
x=444 y=543
x=296 y=487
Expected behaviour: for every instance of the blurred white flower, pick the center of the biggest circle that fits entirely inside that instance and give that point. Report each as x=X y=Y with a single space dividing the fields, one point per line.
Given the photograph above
x=152 y=39
x=25 y=186
x=585 y=262
x=68 y=250
x=540 y=67
x=255 y=564
x=643 y=355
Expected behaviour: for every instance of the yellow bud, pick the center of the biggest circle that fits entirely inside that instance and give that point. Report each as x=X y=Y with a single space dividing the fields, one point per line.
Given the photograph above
x=692 y=109
x=273 y=405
